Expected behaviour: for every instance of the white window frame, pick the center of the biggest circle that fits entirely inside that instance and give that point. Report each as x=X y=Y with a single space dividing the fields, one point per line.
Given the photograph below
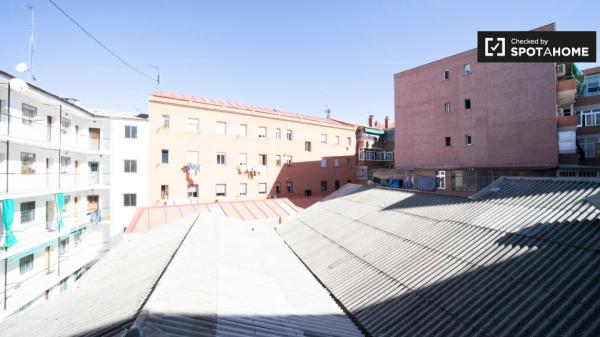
x=165 y=121
x=243 y=159
x=193 y=125
x=221 y=128
x=262 y=132
x=440 y=180
x=243 y=130
x=323 y=138
x=243 y=189
x=224 y=156
x=262 y=188
x=221 y=190
x=447 y=107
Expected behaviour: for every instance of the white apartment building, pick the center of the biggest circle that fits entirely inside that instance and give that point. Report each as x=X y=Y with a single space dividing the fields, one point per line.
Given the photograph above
x=128 y=165
x=54 y=192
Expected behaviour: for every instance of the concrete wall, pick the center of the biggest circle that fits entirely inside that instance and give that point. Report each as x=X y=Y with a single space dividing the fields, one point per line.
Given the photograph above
x=305 y=173
x=512 y=120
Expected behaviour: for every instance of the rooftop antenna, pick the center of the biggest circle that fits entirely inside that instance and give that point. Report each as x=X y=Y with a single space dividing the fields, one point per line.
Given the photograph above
x=327 y=112
x=30 y=76
x=157 y=68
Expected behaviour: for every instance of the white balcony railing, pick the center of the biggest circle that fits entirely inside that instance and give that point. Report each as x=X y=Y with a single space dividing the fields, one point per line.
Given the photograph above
x=375 y=155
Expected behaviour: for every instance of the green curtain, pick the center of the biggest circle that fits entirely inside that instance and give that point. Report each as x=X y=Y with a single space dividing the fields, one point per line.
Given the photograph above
x=8 y=214
x=60 y=204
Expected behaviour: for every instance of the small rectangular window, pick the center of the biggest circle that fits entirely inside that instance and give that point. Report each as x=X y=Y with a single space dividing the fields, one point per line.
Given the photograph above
x=336 y=163
x=243 y=130
x=65 y=125
x=467 y=69
x=129 y=199
x=278 y=134
x=164 y=158
x=290 y=187
x=220 y=158
x=262 y=132
x=27 y=211
x=323 y=186
x=337 y=185
x=307 y=146
x=29 y=113
x=65 y=165
x=130 y=166
x=243 y=158
x=307 y=193
x=164 y=191
x=221 y=128
x=323 y=138
x=323 y=162
x=192 y=191
x=262 y=188
x=467 y=103
x=243 y=189
x=221 y=190
x=446 y=74
x=130 y=131
x=64 y=246
x=165 y=121
x=278 y=160
x=289 y=160
x=277 y=187
x=441 y=180
x=262 y=159
x=349 y=141
x=27 y=163
x=467 y=140
x=26 y=263
x=447 y=107
x=448 y=141
x=193 y=124
x=289 y=135
x=77 y=239
x=336 y=140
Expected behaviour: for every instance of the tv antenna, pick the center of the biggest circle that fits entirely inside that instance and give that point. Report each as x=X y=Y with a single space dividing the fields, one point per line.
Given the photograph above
x=30 y=75
x=157 y=68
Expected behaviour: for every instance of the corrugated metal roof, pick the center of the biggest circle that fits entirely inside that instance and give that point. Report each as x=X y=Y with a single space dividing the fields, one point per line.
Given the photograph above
x=520 y=259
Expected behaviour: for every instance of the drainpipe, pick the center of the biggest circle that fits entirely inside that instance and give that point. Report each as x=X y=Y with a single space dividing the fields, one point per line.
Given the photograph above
x=5 y=280
x=7 y=134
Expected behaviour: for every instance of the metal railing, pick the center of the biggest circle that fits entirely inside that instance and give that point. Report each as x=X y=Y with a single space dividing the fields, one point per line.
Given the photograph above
x=375 y=155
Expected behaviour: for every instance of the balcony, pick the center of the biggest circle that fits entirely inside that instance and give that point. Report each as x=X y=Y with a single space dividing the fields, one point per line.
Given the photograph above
x=565 y=91
x=567 y=121
x=375 y=155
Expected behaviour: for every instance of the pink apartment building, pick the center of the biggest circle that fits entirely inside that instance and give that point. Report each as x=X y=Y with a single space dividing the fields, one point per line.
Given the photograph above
x=467 y=122
x=203 y=150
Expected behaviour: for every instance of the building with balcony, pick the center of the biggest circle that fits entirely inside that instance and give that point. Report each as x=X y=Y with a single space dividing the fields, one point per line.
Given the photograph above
x=461 y=124
x=205 y=150
x=54 y=192
x=374 y=148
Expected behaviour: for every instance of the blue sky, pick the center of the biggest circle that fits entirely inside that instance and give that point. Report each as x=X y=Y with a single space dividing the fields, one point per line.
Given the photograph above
x=291 y=55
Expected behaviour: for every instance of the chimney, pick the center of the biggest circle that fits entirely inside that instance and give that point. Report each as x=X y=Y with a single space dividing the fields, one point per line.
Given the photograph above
x=371 y=121
x=387 y=121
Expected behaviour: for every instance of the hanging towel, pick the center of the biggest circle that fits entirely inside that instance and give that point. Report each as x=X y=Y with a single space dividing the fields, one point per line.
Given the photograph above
x=60 y=204
x=8 y=214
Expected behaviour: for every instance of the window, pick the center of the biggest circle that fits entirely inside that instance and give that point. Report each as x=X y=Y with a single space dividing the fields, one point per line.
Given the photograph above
x=323 y=138
x=67 y=204
x=467 y=103
x=130 y=131
x=29 y=114
x=65 y=125
x=447 y=107
x=164 y=159
x=77 y=239
x=192 y=191
x=591 y=85
x=277 y=160
x=323 y=186
x=348 y=162
x=262 y=188
x=27 y=163
x=220 y=158
x=561 y=69
x=448 y=141
x=441 y=180
x=26 y=263
x=349 y=141
x=164 y=191
x=323 y=162
x=307 y=193
x=63 y=246
x=336 y=140
x=277 y=187
x=193 y=124
x=262 y=132
x=278 y=134
x=446 y=74
x=221 y=128
x=243 y=158
x=243 y=130
x=129 y=199
x=65 y=165
x=243 y=188
x=289 y=135
x=336 y=163
x=467 y=140
x=165 y=122
x=221 y=190
x=130 y=166
x=289 y=161
x=192 y=157
x=262 y=159
x=337 y=185
x=467 y=69
x=63 y=285
x=290 y=187
x=588 y=117
x=307 y=146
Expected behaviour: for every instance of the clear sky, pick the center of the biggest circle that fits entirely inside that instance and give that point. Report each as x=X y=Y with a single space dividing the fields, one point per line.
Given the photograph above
x=291 y=55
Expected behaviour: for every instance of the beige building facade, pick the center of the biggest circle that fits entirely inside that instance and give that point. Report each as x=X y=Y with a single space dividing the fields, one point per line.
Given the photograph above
x=204 y=150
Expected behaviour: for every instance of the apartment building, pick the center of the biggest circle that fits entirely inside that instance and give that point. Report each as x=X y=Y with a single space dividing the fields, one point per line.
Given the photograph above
x=579 y=121
x=205 y=150
x=54 y=192
x=374 y=148
x=128 y=165
x=461 y=124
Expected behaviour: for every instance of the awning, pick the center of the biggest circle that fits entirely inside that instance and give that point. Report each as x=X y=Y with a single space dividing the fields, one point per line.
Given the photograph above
x=30 y=251
x=374 y=131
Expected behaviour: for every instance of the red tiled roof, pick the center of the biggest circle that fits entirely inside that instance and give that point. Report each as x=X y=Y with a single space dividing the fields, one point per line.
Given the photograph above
x=210 y=101
x=147 y=218
x=591 y=71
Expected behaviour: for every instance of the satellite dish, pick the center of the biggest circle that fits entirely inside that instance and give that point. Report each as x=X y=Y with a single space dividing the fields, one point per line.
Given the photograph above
x=22 y=67
x=18 y=84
